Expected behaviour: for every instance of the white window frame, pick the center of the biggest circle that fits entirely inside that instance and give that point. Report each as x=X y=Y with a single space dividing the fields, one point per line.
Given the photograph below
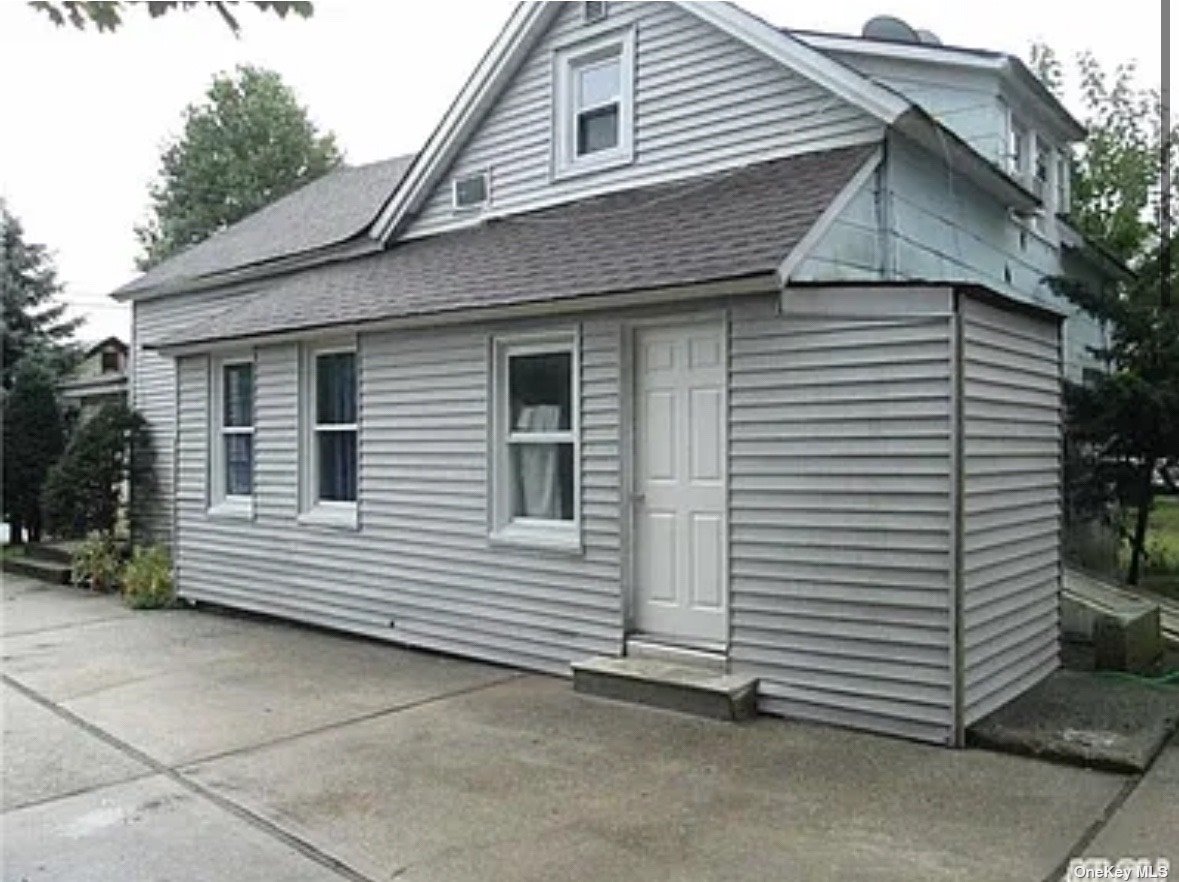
x=503 y=527
x=1063 y=184
x=567 y=60
x=1019 y=165
x=324 y=512
x=474 y=207
x=222 y=503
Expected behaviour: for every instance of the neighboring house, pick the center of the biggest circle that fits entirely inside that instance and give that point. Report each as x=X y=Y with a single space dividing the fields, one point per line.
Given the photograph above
x=680 y=329
x=99 y=378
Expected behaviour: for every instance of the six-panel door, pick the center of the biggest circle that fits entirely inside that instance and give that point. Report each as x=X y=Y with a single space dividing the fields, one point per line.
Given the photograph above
x=680 y=528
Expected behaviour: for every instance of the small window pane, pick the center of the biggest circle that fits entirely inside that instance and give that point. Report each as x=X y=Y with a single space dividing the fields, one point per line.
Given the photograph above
x=597 y=130
x=335 y=388
x=110 y=362
x=239 y=465
x=541 y=390
x=542 y=481
x=470 y=191
x=337 y=466
x=1043 y=160
x=599 y=83
x=239 y=395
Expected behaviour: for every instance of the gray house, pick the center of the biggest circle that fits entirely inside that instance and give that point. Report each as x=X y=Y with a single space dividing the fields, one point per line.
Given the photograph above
x=682 y=334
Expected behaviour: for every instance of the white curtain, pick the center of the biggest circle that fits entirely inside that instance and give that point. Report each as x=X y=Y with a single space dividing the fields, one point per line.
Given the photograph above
x=537 y=478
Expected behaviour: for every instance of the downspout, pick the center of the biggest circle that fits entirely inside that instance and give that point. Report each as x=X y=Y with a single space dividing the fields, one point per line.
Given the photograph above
x=957 y=492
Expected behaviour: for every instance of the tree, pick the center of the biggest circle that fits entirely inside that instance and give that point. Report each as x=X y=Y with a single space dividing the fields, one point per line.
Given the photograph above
x=246 y=145
x=1127 y=420
x=34 y=323
x=1122 y=428
x=104 y=15
x=83 y=489
x=33 y=440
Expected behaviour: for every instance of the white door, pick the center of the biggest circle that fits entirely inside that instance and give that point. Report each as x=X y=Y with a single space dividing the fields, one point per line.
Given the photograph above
x=680 y=570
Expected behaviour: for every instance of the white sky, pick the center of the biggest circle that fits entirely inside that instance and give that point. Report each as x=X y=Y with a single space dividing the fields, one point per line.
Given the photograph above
x=85 y=114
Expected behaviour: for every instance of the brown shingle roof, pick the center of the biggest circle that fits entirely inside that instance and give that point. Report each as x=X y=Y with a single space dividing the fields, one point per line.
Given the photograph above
x=729 y=225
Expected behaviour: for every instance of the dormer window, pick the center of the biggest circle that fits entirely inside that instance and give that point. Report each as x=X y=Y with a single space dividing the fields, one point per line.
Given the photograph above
x=594 y=105
x=593 y=12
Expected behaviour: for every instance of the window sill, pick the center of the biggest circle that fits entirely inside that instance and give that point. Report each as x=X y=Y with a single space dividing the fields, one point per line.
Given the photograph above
x=237 y=508
x=566 y=169
x=566 y=540
x=338 y=515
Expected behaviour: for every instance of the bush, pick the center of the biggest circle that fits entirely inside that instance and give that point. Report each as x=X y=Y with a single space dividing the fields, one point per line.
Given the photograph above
x=147 y=580
x=83 y=489
x=97 y=563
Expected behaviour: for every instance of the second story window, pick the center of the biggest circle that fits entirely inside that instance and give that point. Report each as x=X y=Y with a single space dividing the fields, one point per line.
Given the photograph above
x=1042 y=168
x=1018 y=153
x=593 y=100
x=1063 y=172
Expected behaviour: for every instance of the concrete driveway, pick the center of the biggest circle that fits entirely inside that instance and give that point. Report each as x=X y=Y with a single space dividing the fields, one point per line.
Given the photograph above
x=189 y=745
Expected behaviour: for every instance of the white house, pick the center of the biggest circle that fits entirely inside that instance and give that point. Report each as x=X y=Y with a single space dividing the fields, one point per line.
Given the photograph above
x=681 y=330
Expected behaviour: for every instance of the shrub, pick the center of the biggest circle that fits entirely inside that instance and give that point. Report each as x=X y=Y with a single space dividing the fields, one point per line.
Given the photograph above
x=97 y=563
x=147 y=580
x=83 y=488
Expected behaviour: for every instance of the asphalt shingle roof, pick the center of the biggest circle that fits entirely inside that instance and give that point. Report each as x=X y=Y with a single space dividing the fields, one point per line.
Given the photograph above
x=329 y=210
x=730 y=225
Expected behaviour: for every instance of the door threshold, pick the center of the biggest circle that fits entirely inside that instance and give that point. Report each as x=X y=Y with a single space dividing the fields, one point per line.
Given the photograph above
x=696 y=654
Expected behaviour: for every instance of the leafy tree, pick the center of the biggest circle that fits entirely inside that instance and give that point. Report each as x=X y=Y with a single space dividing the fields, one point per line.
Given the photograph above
x=34 y=323
x=83 y=490
x=108 y=16
x=33 y=439
x=1127 y=421
x=1122 y=428
x=246 y=145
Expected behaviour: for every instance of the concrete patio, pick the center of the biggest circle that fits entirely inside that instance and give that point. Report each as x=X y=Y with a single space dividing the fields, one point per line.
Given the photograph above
x=195 y=745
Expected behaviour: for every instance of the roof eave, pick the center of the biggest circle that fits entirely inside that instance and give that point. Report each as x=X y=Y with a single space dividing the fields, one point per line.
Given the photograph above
x=356 y=246
x=921 y=128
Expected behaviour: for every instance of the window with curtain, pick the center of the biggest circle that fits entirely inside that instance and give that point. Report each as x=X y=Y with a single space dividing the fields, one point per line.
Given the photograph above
x=536 y=401
x=334 y=427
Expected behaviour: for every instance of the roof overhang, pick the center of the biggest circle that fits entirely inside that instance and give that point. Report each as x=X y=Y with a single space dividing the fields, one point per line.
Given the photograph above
x=762 y=283
x=1074 y=242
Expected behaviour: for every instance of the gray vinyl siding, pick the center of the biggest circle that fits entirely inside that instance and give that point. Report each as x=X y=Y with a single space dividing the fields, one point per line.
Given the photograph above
x=1011 y=503
x=420 y=570
x=840 y=495
x=936 y=227
x=703 y=101
x=153 y=388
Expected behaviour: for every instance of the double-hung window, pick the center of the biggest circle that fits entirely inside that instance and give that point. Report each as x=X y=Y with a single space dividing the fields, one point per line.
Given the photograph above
x=232 y=460
x=330 y=455
x=536 y=442
x=593 y=104
x=1018 y=155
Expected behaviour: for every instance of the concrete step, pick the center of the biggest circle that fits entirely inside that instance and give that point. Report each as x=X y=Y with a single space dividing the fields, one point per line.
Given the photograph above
x=46 y=571
x=677 y=687
x=54 y=552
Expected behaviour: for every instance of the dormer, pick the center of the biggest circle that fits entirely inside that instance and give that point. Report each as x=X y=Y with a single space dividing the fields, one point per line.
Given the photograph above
x=989 y=99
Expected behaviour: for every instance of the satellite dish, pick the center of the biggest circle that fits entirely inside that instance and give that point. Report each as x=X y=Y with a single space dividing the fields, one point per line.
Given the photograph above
x=888 y=27
x=928 y=38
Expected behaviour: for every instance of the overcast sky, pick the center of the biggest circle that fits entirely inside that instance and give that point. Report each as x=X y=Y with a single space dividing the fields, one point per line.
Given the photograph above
x=85 y=114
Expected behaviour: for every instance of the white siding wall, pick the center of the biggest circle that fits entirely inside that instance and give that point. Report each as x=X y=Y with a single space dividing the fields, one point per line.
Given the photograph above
x=703 y=101
x=153 y=386
x=841 y=499
x=421 y=558
x=1011 y=503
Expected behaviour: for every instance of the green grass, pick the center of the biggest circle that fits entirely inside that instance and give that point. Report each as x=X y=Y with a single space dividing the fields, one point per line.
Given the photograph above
x=1162 y=547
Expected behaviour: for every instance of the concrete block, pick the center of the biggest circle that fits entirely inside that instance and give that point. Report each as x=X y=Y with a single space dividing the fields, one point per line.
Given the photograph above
x=1131 y=641
x=669 y=686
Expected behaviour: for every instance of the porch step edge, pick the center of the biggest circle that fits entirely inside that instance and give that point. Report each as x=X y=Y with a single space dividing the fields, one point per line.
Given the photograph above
x=656 y=683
